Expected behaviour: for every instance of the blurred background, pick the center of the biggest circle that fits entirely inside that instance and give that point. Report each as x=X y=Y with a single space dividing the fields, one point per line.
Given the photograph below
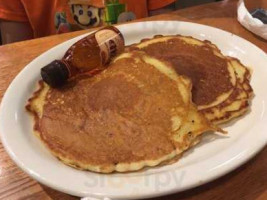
x=19 y=21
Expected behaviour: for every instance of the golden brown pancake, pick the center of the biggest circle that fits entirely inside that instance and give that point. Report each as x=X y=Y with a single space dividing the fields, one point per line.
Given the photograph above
x=136 y=113
x=221 y=88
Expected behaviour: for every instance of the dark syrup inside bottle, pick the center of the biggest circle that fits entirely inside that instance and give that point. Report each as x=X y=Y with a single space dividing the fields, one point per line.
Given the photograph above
x=91 y=53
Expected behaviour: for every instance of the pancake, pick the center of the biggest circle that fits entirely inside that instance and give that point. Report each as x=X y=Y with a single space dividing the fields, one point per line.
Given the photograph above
x=221 y=88
x=136 y=113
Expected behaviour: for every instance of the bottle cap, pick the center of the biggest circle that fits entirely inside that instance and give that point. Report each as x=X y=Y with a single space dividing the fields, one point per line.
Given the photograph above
x=55 y=74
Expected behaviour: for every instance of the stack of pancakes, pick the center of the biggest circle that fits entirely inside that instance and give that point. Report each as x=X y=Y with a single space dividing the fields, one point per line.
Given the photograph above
x=151 y=104
x=221 y=88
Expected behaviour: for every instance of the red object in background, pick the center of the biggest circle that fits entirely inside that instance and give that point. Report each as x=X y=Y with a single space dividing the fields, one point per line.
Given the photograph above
x=138 y=7
x=141 y=7
x=157 y=4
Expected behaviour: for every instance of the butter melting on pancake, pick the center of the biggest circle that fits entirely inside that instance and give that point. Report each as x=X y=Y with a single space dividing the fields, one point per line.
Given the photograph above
x=221 y=86
x=136 y=113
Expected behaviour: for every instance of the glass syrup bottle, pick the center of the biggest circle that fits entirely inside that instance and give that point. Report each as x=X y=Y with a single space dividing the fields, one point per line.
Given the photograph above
x=89 y=54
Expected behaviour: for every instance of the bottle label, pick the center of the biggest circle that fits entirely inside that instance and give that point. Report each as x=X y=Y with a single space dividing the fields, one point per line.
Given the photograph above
x=110 y=44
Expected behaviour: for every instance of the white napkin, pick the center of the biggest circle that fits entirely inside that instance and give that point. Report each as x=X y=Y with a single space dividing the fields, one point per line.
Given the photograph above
x=253 y=24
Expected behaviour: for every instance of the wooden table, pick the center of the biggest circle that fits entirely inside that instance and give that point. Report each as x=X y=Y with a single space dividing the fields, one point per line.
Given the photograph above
x=249 y=182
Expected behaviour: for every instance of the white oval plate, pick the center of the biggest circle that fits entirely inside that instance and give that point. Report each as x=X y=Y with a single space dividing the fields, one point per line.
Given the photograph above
x=212 y=158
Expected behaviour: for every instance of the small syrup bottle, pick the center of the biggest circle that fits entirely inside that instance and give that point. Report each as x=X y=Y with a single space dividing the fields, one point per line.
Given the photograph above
x=89 y=54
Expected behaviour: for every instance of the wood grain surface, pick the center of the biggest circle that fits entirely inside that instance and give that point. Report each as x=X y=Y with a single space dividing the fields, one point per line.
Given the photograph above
x=248 y=182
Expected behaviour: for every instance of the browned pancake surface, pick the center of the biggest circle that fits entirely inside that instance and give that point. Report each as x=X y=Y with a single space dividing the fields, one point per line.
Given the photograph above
x=221 y=84
x=208 y=72
x=136 y=113
x=116 y=116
